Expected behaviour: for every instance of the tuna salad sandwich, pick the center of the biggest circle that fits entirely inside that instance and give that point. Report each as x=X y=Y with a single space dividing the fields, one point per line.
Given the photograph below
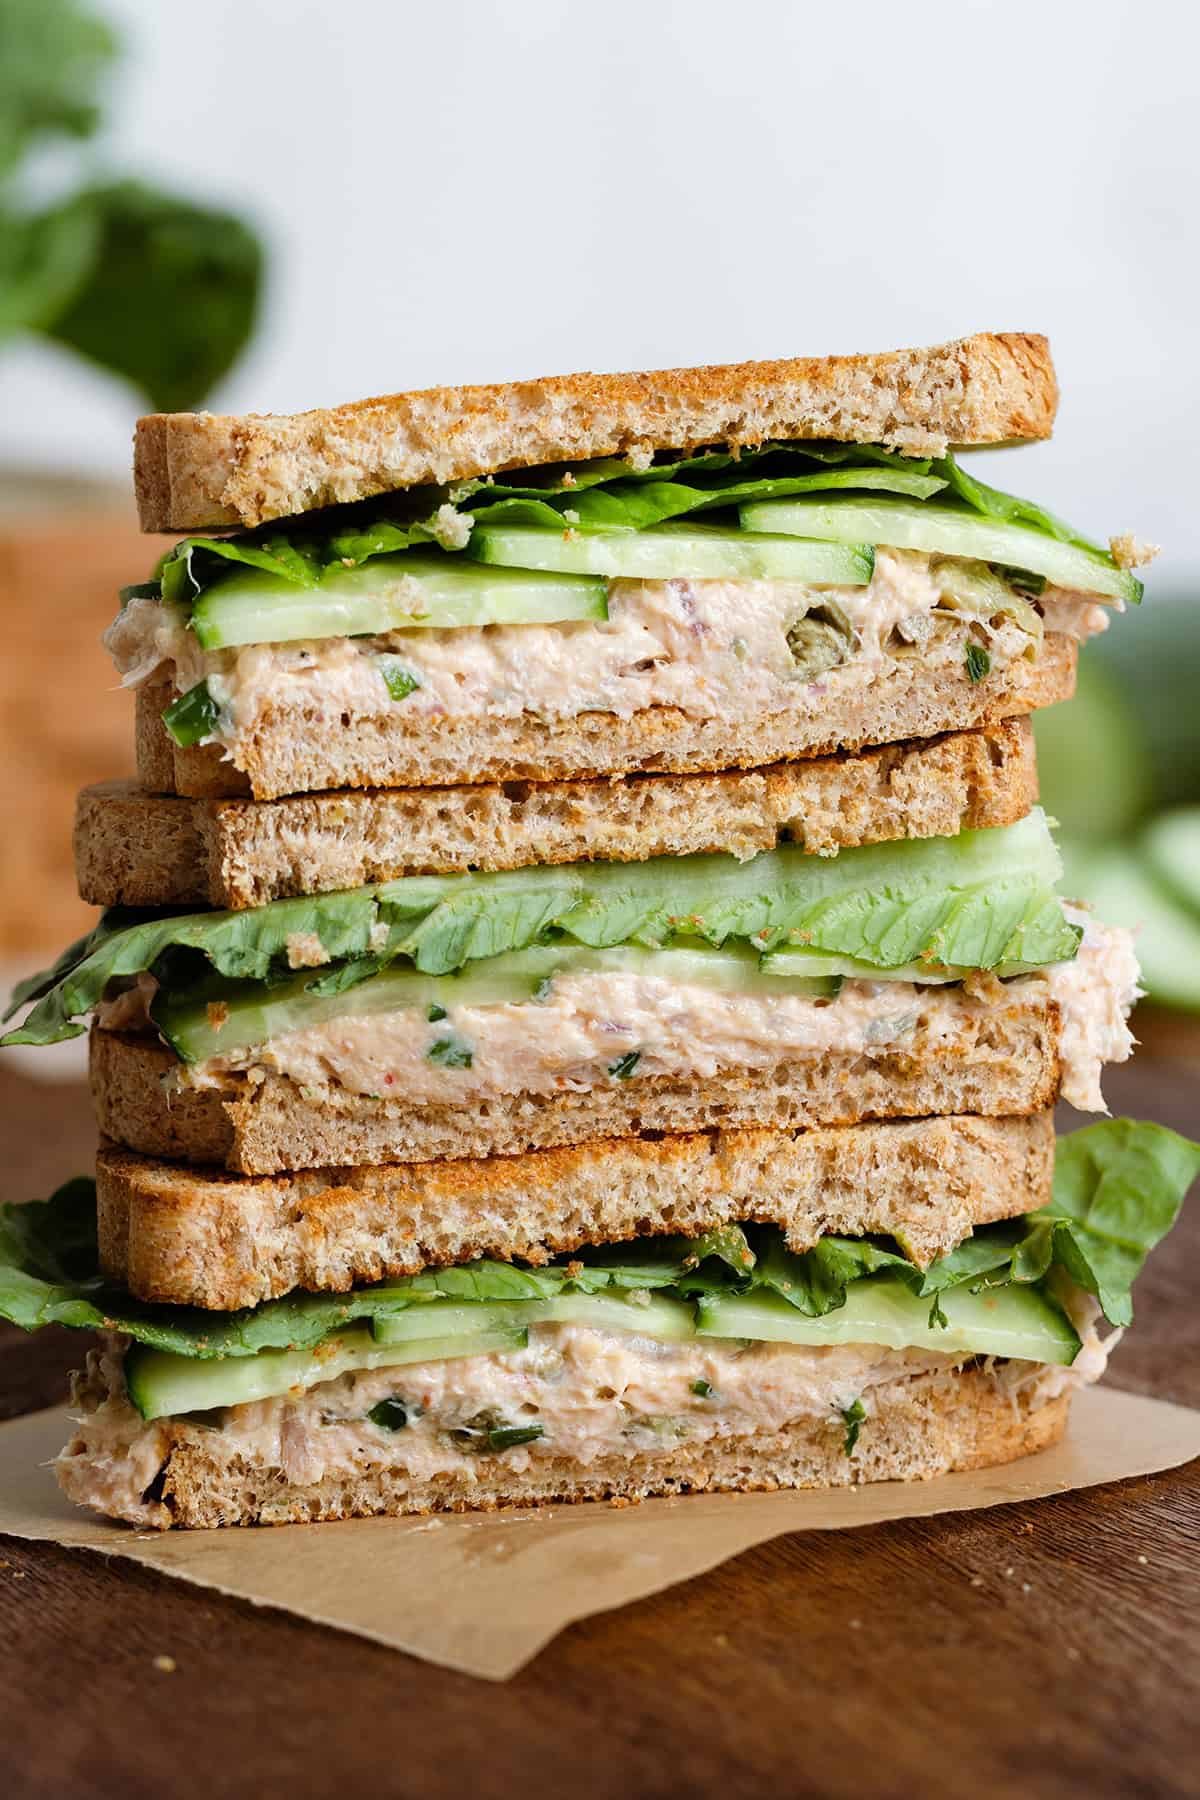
x=583 y=979
x=721 y=1359
x=688 y=571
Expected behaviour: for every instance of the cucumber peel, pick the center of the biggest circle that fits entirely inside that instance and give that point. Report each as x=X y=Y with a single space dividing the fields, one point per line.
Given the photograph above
x=938 y=527
x=414 y=590
x=665 y=552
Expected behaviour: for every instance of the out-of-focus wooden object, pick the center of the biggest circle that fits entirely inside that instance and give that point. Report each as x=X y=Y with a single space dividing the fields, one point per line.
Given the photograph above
x=64 y=553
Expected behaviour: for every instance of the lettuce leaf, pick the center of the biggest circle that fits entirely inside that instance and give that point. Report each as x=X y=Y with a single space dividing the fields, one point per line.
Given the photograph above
x=982 y=899
x=1118 y=1188
x=606 y=495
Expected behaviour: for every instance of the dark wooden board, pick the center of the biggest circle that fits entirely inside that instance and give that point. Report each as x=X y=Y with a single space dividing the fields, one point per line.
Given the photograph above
x=1050 y=1649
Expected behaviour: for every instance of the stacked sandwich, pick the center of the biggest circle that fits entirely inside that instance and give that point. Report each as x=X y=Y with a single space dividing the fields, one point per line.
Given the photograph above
x=582 y=990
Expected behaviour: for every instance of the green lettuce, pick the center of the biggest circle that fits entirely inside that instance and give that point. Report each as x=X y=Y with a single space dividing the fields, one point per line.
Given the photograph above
x=602 y=496
x=1118 y=1187
x=981 y=900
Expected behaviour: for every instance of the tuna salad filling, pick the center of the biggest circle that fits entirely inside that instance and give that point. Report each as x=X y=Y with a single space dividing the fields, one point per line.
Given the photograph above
x=719 y=649
x=589 y=1029
x=572 y=1395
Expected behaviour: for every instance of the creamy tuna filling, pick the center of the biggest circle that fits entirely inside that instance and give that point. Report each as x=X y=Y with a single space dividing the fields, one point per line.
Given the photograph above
x=714 y=649
x=595 y=1395
x=603 y=1027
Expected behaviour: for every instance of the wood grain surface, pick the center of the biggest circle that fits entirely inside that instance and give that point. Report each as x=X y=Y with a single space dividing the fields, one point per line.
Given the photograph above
x=1043 y=1650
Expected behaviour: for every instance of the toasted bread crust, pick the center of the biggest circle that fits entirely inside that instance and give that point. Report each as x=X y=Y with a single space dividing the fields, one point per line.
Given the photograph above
x=382 y=750
x=917 y=1427
x=197 y=1238
x=134 y=848
x=1000 y=1059
x=194 y=471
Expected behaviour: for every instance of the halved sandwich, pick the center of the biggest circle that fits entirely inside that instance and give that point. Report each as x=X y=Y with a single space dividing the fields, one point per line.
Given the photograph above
x=683 y=572
x=721 y=1359
x=500 y=1012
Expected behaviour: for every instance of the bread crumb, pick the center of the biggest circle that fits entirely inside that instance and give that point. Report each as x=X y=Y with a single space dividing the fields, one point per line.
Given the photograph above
x=451 y=528
x=305 y=950
x=1129 y=552
x=977 y=1581
x=856 y=1624
x=1072 y=1653
x=166 y=1665
x=1143 y=1560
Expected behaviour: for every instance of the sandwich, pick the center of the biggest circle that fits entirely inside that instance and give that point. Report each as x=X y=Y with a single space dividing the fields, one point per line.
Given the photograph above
x=658 y=1364
x=583 y=981
x=594 y=576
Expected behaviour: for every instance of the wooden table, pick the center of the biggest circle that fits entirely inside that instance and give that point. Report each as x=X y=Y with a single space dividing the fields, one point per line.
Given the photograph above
x=1048 y=1649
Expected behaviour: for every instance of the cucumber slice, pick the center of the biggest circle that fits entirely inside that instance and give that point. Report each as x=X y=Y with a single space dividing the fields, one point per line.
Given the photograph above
x=1016 y=1321
x=952 y=531
x=389 y=593
x=218 y=1015
x=1172 y=849
x=163 y=1384
x=663 y=552
x=671 y=1321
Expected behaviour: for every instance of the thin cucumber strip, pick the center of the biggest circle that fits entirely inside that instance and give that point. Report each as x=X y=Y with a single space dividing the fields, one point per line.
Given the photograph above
x=412 y=590
x=656 y=1316
x=1018 y=1321
x=162 y=1383
x=666 y=552
x=950 y=531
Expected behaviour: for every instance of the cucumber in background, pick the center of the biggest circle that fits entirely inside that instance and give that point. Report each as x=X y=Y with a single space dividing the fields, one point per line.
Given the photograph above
x=1095 y=772
x=1127 y=744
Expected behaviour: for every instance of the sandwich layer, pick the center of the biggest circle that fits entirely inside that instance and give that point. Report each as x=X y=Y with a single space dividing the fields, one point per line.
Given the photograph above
x=777 y=1423
x=296 y=748
x=611 y=1053
x=136 y=848
x=196 y=471
x=994 y=1060
x=197 y=1238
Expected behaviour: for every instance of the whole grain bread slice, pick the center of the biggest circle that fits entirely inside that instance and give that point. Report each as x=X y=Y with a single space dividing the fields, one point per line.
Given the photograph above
x=915 y=1427
x=300 y=752
x=197 y=471
x=198 y=1238
x=134 y=848
x=994 y=1057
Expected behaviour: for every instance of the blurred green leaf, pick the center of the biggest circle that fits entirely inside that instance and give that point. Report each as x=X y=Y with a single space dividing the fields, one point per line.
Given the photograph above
x=53 y=56
x=172 y=296
x=1095 y=773
x=44 y=259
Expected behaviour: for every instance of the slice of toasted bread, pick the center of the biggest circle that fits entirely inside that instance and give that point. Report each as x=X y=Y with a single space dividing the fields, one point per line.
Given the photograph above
x=916 y=1426
x=198 y=1238
x=195 y=472
x=291 y=753
x=134 y=848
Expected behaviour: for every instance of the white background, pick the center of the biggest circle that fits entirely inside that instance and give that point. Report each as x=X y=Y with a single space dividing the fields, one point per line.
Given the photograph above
x=470 y=191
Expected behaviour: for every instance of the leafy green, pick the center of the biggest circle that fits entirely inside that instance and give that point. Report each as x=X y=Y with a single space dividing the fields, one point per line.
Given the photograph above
x=149 y=285
x=852 y=1416
x=399 y=681
x=978 y=662
x=624 y=1067
x=390 y=1414
x=172 y=295
x=1117 y=1190
x=450 y=1053
x=605 y=496
x=980 y=900
x=193 y=716
x=54 y=55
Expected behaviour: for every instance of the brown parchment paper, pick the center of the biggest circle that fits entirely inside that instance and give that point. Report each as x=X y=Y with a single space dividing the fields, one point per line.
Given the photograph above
x=483 y=1593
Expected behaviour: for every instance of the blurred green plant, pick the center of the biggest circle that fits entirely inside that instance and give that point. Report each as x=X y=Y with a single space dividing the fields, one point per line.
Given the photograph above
x=153 y=287
x=1119 y=768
